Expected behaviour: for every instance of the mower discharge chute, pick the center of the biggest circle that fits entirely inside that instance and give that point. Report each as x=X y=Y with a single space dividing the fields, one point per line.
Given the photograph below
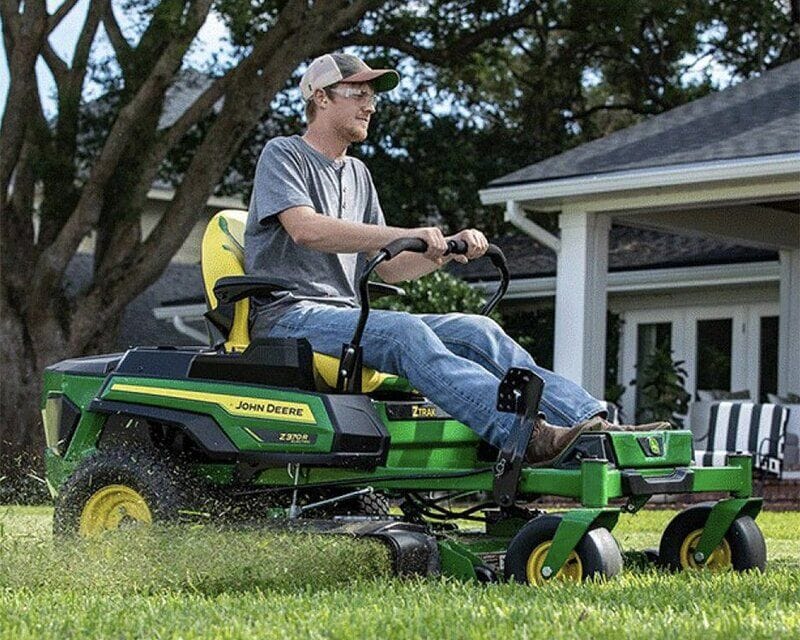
x=268 y=428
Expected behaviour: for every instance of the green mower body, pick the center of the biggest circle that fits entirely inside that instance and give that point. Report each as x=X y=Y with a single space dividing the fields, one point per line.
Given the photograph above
x=237 y=432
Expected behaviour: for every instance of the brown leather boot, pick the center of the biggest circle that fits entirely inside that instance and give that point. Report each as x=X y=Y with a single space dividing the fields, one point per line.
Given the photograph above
x=548 y=441
x=597 y=423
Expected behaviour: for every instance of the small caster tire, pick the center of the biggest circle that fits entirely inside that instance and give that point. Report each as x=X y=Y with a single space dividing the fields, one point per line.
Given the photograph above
x=596 y=555
x=742 y=548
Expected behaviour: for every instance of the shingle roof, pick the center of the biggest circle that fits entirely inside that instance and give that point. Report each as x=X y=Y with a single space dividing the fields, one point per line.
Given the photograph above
x=629 y=249
x=185 y=90
x=755 y=118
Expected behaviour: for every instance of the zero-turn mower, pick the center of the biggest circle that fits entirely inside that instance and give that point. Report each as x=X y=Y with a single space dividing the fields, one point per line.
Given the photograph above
x=268 y=428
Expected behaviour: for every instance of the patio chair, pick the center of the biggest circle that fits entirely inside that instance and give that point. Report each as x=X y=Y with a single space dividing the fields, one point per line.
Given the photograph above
x=744 y=427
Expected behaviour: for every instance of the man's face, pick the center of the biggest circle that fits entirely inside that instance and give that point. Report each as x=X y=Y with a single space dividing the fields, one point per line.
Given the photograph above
x=350 y=109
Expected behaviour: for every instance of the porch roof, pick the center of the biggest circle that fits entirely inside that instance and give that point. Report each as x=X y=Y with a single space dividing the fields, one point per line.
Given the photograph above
x=759 y=117
x=629 y=249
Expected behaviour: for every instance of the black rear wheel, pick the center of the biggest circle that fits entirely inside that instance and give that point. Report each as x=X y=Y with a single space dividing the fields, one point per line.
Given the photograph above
x=369 y=504
x=257 y=508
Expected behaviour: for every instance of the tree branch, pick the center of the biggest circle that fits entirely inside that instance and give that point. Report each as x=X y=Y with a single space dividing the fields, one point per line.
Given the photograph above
x=83 y=46
x=522 y=79
x=59 y=191
x=463 y=45
x=120 y=45
x=26 y=32
x=59 y=14
x=52 y=262
x=19 y=251
x=633 y=108
x=200 y=108
x=9 y=10
x=56 y=64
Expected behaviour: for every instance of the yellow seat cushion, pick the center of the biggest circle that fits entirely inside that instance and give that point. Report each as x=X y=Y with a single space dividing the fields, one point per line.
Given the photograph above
x=327 y=368
x=222 y=254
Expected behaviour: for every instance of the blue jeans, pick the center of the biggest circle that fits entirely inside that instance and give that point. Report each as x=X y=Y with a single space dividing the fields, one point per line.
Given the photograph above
x=456 y=360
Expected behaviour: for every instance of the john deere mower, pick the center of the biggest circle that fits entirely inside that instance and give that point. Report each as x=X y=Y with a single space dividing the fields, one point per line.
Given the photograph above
x=269 y=429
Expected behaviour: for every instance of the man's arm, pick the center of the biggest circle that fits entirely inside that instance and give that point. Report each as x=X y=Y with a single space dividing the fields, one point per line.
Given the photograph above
x=410 y=266
x=323 y=233
x=330 y=235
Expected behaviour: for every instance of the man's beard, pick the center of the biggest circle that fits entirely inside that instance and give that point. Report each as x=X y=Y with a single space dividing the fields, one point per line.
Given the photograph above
x=357 y=134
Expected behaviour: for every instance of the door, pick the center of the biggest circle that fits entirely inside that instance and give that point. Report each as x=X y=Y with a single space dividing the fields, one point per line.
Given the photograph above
x=729 y=348
x=642 y=333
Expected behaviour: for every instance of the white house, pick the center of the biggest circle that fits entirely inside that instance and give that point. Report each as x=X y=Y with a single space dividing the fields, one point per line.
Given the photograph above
x=724 y=167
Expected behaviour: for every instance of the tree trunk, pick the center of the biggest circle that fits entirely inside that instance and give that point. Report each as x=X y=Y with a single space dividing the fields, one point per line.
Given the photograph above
x=21 y=433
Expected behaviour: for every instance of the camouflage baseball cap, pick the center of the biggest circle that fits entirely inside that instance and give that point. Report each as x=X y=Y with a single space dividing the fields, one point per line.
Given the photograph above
x=342 y=67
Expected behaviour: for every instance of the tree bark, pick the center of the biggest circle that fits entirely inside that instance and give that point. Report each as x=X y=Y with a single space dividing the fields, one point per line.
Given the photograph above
x=22 y=363
x=23 y=35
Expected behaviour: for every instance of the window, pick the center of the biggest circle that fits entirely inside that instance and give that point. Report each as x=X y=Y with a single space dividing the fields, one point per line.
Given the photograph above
x=768 y=357
x=714 y=342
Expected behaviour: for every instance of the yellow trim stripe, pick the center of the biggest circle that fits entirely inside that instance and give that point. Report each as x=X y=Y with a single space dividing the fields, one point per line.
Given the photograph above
x=235 y=405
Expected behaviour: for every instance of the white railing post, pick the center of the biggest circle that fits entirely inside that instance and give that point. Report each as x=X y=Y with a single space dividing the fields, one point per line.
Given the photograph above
x=789 y=323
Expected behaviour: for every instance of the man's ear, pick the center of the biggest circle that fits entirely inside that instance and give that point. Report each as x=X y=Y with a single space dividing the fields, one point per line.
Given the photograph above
x=320 y=97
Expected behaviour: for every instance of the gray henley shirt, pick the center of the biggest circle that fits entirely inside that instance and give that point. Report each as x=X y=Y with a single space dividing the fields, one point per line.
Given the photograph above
x=291 y=173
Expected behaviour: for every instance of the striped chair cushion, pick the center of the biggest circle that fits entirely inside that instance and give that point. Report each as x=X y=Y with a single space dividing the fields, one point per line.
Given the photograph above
x=748 y=428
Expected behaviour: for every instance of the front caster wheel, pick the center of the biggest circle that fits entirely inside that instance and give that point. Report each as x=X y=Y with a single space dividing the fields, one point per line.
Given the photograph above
x=596 y=555
x=742 y=548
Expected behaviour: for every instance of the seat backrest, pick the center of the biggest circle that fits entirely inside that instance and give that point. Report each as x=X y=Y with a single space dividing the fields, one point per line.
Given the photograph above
x=222 y=254
x=759 y=429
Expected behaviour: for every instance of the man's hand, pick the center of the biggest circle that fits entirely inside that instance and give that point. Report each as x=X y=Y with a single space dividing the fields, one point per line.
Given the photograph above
x=477 y=244
x=437 y=244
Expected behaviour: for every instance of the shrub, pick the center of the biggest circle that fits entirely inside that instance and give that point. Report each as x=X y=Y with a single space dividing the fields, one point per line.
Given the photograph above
x=437 y=292
x=662 y=392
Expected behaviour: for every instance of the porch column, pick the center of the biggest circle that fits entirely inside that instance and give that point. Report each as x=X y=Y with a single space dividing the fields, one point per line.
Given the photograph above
x=581 y=278
x=789 y=323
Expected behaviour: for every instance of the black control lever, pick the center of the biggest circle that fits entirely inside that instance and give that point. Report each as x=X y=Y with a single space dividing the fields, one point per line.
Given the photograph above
x=520 y=392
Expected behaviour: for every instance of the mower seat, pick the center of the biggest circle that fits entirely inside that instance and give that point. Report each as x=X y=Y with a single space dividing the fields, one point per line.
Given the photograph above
x=222 y=254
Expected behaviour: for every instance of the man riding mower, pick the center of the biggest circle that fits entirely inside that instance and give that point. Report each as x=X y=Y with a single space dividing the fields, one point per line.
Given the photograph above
x=157 y=434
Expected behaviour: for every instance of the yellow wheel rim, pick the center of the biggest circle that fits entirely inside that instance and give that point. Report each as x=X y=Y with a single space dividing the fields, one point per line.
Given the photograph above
x=719 y=560
x=113 y=507
x=572 y=571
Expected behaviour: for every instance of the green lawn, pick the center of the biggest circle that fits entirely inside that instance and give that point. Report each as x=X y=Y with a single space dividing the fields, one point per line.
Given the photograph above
x=195 y=583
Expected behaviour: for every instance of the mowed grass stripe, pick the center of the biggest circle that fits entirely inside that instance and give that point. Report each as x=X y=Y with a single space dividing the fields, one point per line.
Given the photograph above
x=201 y=583
x=646 y=605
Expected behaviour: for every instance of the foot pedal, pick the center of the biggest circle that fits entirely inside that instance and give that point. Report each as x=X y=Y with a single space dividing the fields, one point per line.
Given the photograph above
x=520 y=392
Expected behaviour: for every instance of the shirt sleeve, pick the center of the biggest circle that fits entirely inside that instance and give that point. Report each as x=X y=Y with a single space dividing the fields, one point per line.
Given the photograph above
x=279 y=182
